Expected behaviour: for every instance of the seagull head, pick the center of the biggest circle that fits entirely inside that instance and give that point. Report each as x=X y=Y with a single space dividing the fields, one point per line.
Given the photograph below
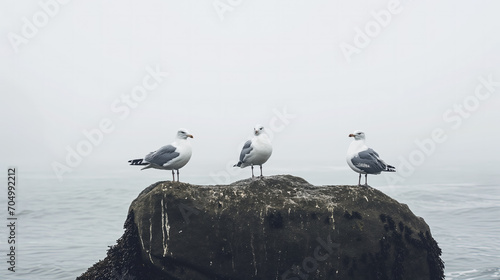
x=258 y=129
x=183 y=134
x=358 y=135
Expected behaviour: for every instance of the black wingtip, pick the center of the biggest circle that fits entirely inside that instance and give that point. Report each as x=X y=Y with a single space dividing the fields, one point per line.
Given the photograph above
x=139 y=161
x=391 y=168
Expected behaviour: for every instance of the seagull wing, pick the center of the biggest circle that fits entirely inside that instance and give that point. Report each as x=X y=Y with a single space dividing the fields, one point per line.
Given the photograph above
x=247 y=148
x=163 y=155
x=369 y=162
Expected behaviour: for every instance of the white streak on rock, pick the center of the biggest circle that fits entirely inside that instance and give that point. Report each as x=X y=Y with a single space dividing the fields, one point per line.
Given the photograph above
x=150 y=239
x=330 y=208
x=253 y=253
x=165 y=227
x=232 y=254
x=140 y=237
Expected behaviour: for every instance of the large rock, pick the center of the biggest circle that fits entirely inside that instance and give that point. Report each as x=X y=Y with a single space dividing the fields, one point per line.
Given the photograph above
x=278 y=227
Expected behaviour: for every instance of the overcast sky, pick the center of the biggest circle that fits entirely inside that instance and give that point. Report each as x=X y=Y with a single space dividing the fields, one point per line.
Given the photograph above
x=311 y=72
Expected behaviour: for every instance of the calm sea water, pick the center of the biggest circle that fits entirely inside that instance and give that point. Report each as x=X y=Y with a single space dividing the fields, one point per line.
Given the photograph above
x=65 y=227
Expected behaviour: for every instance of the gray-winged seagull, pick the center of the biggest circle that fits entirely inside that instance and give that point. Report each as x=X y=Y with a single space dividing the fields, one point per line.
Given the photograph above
x=169 y=157
x=365 y=160
x=256 y=151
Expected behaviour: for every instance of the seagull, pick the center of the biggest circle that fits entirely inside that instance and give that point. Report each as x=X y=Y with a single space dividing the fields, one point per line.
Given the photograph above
x=169 y=157
x=256 y=151
x=365 y=160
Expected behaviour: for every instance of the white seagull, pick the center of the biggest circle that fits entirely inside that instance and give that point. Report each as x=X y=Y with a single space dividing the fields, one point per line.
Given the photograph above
x=169 y=157
x=256 y=151
x=365 y=160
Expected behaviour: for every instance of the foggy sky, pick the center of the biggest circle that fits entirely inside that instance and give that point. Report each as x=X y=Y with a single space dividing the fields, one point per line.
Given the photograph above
x=427 y=68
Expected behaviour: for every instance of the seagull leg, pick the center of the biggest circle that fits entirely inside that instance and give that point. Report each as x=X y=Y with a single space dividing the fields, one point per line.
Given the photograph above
x=173 y=176
x=366 y=179
x=252 y=171
x=177 y=175
x=359 y=181
x=261 y=176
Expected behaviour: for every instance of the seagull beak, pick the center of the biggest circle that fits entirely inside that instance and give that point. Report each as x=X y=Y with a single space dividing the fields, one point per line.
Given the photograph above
x=351 y=135
x=190 y=136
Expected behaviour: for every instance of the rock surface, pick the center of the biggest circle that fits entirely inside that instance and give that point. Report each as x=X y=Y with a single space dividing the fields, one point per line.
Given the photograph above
x=278 y=227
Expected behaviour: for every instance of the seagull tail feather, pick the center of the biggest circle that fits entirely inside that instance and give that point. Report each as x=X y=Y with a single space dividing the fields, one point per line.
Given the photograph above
x=146 y=167
x=238 y=164
x=390 y=168
x=139 y=161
